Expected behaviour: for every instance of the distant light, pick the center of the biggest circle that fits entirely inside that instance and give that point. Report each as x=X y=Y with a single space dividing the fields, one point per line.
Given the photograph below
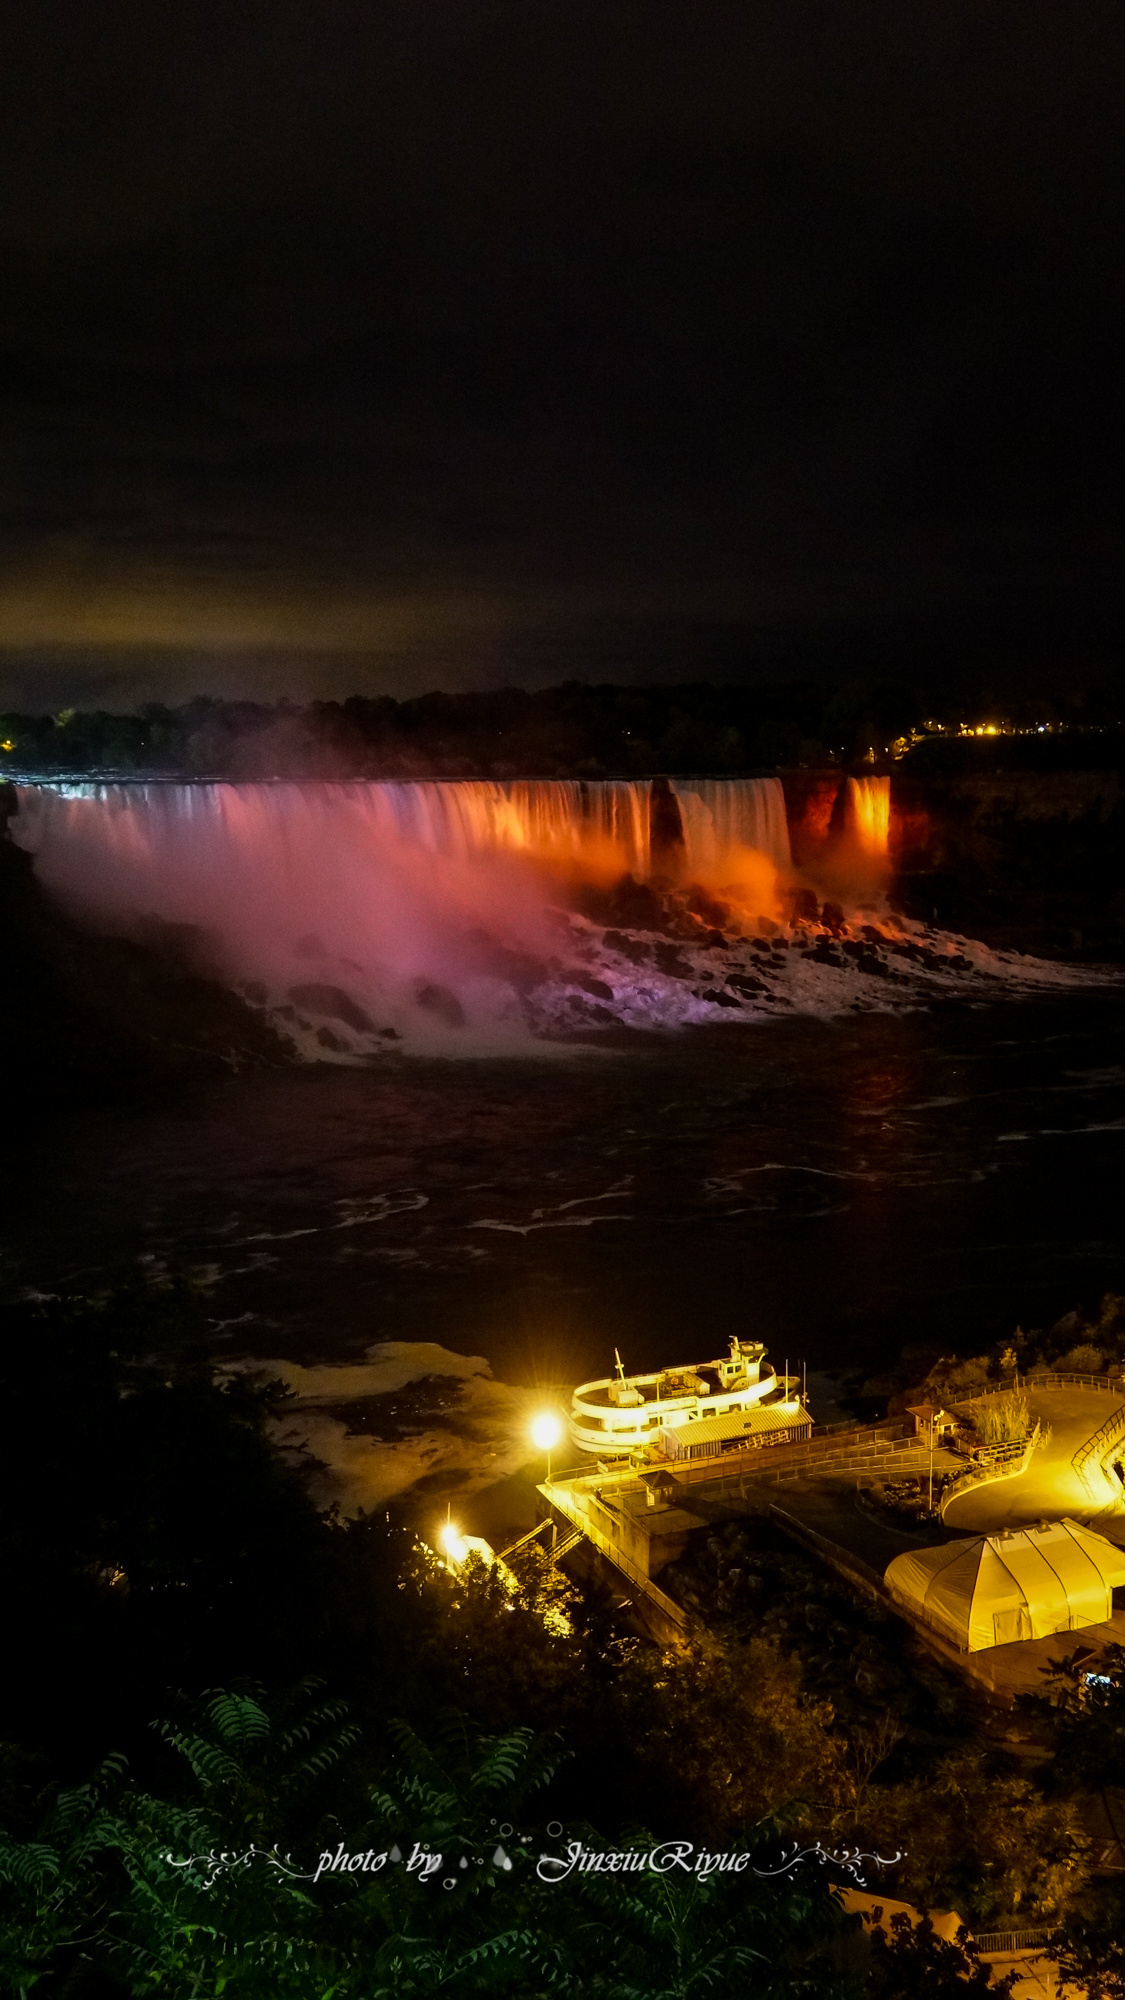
x=7 y=744
x=546 y=1431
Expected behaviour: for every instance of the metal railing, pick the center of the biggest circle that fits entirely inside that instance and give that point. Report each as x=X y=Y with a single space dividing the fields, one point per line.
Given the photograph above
x=1004 y=1461
x=777 y=1460
x=565 y=1504
x=833 y=1552
x=1108 y=1385
x=997 y=1944
x=1113 y=1384
x=514 y=1548
x=728 y=1472
x=824 y=1442
x=1105 y=1437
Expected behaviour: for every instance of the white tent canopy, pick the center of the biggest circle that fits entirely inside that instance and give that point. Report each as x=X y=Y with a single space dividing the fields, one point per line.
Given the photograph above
x=1022 y=1584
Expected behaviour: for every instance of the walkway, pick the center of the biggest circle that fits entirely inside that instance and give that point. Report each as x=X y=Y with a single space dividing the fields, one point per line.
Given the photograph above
x=1049 y=1489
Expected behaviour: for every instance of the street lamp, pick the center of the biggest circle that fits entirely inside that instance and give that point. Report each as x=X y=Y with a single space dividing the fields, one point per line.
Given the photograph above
x=452 y=1542
x=545 y=1434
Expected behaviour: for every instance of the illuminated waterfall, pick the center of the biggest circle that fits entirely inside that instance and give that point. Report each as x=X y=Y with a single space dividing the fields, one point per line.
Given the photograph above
x=603 y=826
x=558 y=820
x=868 y=813
x=726 y=817
x=387 y=891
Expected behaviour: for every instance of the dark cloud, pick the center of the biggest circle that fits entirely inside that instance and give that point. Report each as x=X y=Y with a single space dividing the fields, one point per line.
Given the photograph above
x=353 y=346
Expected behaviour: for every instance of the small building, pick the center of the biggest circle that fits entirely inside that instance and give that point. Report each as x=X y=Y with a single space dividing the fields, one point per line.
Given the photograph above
x=660 y=1487
x=1026 y=1583
x=648 y=1534
x=933 y=1424
x=740 y=1430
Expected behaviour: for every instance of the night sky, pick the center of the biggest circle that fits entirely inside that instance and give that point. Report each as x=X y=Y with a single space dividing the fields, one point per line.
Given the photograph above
x=381 y=345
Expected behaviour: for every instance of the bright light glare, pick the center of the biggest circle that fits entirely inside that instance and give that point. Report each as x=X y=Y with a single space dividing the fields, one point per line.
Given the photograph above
x=545 y=1432
x=450 y=1539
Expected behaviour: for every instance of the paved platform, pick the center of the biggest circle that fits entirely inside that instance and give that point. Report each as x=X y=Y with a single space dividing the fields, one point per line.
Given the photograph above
x=1049 y=1489
x=832 y=1505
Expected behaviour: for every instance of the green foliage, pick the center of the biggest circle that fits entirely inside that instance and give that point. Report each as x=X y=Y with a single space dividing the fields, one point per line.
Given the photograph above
x=252 y=1762
x=955 y=1381
x=747 y=1581
x=491 y=1930
x=676 y=1936
x=193 y=1890
x=914 y=1960
x=1090 y=1952
x=980 y=1839
x=51 y=1897
x=729 y=1737
x=459 y=1781
x=190 y=1893
x=166 y=1531
x=690 y=1745
x=1088 y=1718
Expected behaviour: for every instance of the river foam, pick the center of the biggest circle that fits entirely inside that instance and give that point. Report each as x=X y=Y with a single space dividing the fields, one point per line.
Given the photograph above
x=480 y=918
x=410 y=1418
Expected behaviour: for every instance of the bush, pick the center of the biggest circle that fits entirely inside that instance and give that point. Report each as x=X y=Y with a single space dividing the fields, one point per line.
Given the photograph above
x=1005 y=1421
x=1083 y=1360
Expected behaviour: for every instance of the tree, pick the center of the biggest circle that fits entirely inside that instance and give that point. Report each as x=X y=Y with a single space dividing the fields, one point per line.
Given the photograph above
x=1090 y=1953
x=979 y=1839
x=1088 y=1711
x=727 y=1734
x=914 y=1960
x=51 y=1901
x=211 y=1884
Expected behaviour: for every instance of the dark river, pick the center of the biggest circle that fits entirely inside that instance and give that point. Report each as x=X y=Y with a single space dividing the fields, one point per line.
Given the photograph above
x=837 y=1189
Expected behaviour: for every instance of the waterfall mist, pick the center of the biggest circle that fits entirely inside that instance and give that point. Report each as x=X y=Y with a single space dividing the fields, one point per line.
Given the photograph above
x=419 y=911
x=471 y=917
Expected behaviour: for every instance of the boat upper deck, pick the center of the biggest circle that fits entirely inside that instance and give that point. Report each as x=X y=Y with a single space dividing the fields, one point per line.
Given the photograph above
x=672 y=1386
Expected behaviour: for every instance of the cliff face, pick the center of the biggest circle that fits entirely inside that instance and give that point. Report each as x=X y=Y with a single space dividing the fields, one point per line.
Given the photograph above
x=1032 y=861
x=85 y=1016
x=810 y=801
x=1028 y=860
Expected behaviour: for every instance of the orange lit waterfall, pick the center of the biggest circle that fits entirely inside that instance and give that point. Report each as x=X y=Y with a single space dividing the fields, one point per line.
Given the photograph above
x=443 y=887
x=869 y=813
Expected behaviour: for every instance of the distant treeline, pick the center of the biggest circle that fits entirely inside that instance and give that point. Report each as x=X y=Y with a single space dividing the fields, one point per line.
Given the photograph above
x=577 y=730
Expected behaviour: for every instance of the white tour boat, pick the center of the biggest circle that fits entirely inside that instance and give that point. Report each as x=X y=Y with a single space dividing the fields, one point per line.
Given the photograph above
x=623 y=1412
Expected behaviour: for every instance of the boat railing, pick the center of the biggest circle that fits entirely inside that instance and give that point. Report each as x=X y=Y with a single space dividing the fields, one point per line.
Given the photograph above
x=772 y=1461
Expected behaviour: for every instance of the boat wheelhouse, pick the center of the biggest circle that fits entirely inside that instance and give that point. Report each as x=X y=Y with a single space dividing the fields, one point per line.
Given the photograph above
x=625 y=1412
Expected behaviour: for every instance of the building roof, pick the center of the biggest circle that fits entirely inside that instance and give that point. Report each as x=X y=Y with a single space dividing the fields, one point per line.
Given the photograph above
x=738 y=1423
x=658 y=1523
x=1025 y=1584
